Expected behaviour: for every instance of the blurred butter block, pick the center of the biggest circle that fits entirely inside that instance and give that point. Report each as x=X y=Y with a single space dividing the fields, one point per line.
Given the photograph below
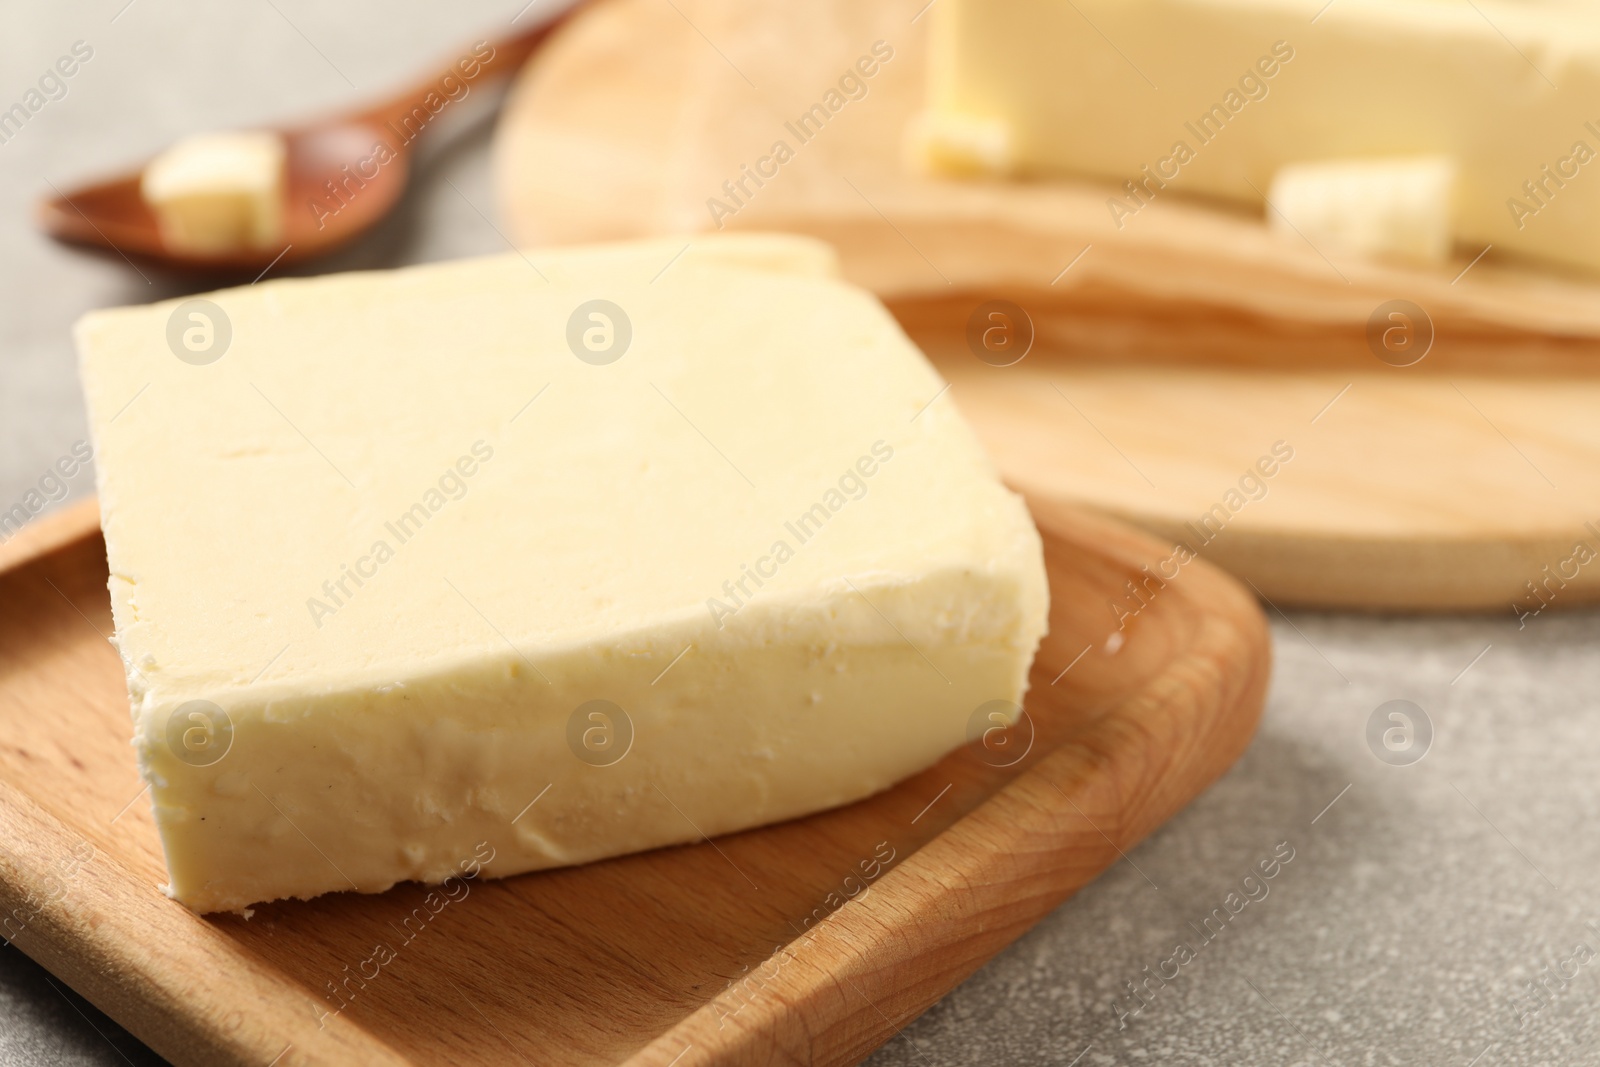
x=537 y=559
x=1217 y=97
x=217 y=192
x=1393 y=208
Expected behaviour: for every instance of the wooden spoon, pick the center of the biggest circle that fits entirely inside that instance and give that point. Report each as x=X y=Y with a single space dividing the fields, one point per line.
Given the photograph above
x=343 y=174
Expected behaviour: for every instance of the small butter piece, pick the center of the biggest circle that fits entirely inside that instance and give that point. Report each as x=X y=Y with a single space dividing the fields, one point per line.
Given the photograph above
x=218 y=192
x=453 y=568
x=954 y=143
x=1396 y=208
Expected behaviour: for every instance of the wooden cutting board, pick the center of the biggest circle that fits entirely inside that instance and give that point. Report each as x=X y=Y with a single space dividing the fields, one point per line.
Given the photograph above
x=812 y=942
x=1450 y=483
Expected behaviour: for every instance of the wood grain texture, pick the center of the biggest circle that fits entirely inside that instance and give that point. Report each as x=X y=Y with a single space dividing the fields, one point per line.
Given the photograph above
x=1405 y=494
x=796 y=943
x=1448 y=485
x=634 y=116
x=67 y=523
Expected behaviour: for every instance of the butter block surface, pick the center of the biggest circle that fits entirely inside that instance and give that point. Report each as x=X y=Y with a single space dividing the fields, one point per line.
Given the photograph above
x=1214 y=97
x=572 y=553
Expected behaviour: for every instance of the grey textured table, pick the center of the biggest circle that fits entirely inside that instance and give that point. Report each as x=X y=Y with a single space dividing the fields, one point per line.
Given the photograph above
x=1417 y=908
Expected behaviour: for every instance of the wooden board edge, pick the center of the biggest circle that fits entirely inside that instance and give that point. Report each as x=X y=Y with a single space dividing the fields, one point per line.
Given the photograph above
x=1523 y=575
x=859 y=976
x=1414 y=575
x=81 y=932
x=55 y=529
x=1110 y=322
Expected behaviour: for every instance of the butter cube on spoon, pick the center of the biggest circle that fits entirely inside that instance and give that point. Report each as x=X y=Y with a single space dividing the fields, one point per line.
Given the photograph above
x=217 y=192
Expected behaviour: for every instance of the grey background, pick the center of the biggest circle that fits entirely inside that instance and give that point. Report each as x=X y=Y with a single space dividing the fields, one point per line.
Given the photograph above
x=1415 y=908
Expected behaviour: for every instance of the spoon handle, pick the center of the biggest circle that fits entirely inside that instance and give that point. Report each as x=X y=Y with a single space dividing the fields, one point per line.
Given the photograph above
x=485 y=63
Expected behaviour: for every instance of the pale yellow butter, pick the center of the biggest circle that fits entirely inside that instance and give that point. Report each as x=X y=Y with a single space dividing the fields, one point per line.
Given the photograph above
x=217 y=192
x=466 y=559
x=1216 y=97
x=1393 y=208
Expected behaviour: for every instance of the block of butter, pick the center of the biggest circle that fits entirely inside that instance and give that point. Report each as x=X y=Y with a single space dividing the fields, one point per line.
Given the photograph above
x=216 y=192
x=1214 y=97
x=546 y=557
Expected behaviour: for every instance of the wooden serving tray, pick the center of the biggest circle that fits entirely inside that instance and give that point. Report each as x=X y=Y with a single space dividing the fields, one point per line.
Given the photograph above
x=812 y=941
x=1448 y=484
